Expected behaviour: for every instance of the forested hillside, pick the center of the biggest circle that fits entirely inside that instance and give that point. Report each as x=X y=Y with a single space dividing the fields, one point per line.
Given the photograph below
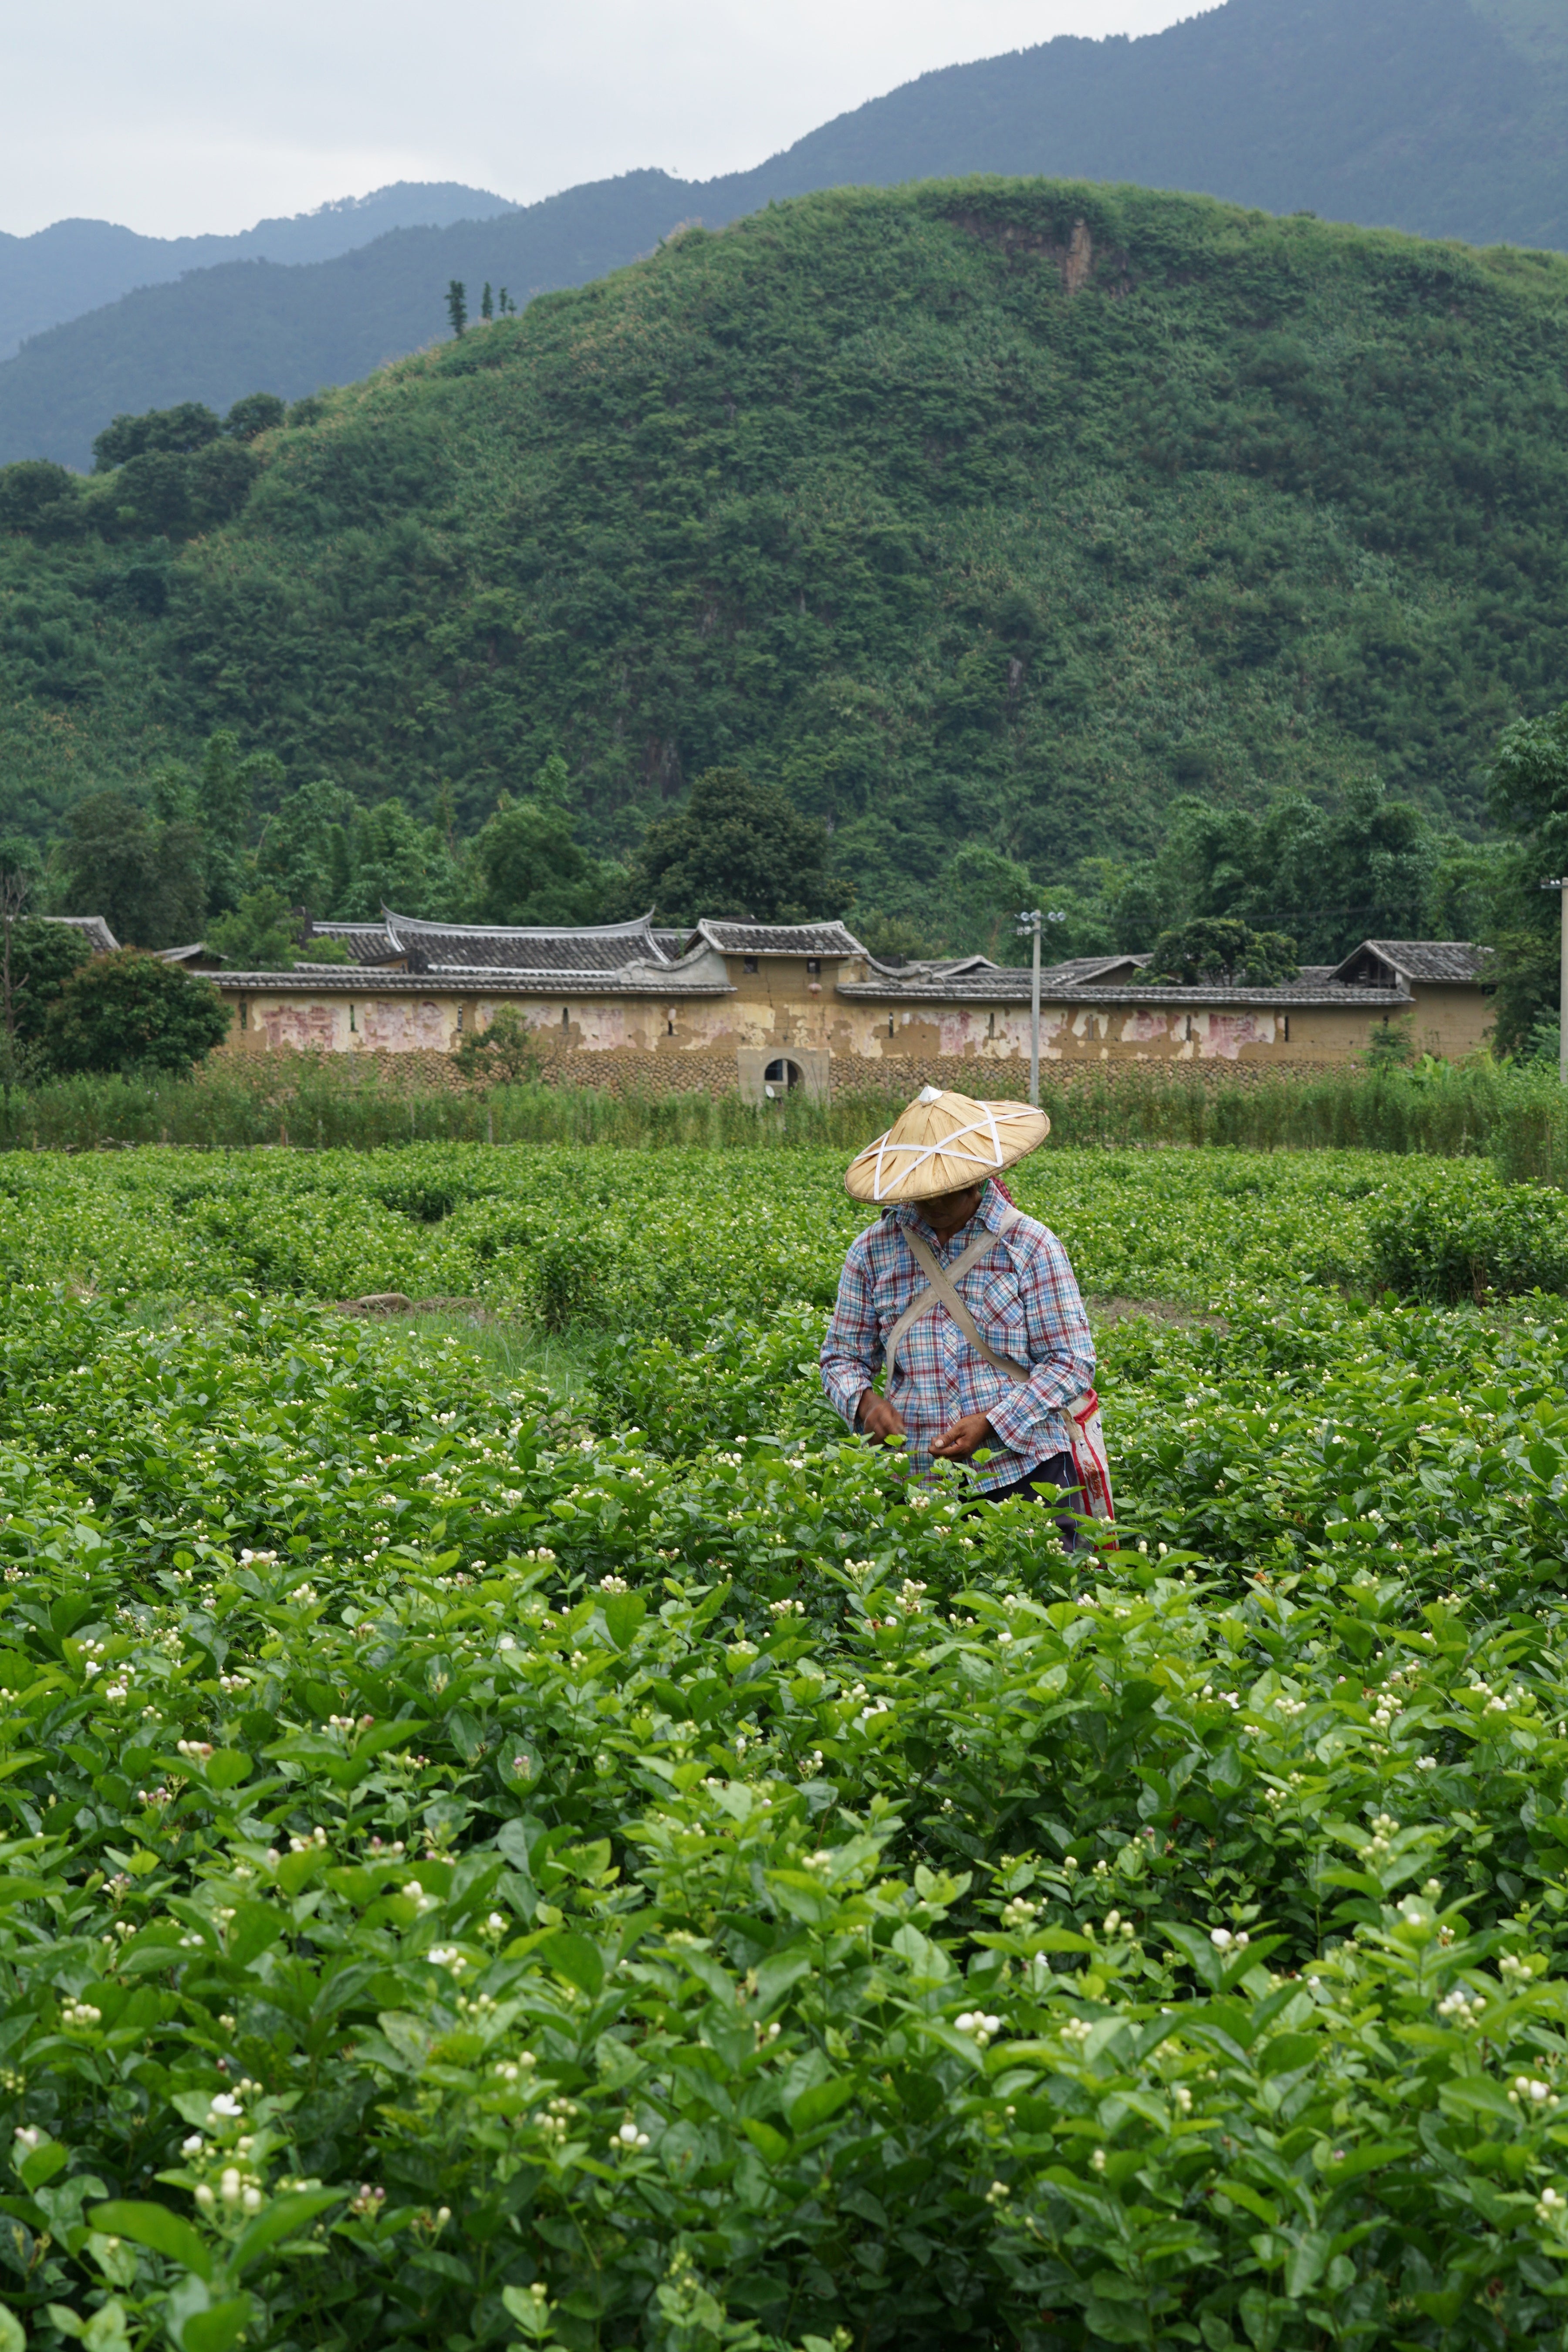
x=975 y=515
x=216 y=334
x=1447 y=118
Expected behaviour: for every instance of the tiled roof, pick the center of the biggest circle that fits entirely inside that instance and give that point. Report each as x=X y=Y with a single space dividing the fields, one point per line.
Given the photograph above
x=367 y=943
x=781 y=938
x=1418 y=960
x=94 y=929
x=1071 y=973
x=510 y=948
x=1010 y=986
x=670 y=980
x=1378 y=976
x=671 y=943
x=1077 y=969
x=182 y=955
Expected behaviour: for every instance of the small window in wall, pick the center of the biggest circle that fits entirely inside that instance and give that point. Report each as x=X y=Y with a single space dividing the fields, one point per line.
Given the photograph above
x=991 y=1025
x=814 y=967
x=353 y=1025
x=889 y=1024
x=668 y=1025
x=748 y=964
x=1189 y=1028
x=245 y=1012
x=566 y=1017
x=781 y=1073
x=1287 y=1028
x=462 y=1009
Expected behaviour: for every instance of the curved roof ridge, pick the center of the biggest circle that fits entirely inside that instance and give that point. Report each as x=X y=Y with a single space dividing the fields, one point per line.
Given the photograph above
x=1422 y=959
x=730 y=936
x=640 y=926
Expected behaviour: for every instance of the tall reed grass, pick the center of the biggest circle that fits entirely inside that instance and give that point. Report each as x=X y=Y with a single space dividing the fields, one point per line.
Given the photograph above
x=1517 y=1116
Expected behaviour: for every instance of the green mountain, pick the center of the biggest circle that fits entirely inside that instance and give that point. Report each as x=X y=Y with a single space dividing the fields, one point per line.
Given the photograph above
x=1447 y=117
x=979 y=512
x=219 y=334
x=75 y=266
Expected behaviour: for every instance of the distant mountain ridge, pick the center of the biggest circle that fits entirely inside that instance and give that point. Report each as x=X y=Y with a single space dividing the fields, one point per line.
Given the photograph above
x=1444 y=118
x=982 y=516
x=75 y=266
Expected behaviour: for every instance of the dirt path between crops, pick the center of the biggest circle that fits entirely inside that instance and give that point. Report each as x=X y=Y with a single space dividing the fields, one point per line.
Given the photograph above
x=1152 y=1310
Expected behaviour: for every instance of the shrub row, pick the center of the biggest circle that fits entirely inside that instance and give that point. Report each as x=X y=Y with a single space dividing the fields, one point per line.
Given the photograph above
x=474 y=1879
x=1516 y=1114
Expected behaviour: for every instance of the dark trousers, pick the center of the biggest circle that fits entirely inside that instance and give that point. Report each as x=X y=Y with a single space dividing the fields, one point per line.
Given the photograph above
x=1059 y=1470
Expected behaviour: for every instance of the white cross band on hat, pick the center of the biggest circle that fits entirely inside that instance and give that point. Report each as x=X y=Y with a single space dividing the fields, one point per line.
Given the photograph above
x=915 y=1155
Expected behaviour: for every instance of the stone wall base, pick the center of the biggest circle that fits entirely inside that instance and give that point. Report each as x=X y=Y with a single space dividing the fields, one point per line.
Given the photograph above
x=624 y=1071
x=627 y=1072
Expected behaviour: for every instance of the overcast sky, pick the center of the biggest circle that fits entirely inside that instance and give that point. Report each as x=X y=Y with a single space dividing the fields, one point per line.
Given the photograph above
x=174 y=116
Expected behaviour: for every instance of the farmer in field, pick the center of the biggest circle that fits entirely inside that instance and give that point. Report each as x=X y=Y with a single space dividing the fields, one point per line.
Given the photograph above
x=971 y=1306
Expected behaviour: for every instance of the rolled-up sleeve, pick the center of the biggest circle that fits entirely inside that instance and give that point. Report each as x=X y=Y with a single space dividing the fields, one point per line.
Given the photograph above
x=852 y=1352
x=1060 y=1345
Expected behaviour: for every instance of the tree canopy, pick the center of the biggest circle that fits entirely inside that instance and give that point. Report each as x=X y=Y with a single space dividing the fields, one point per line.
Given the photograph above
x=1528 y=792
x=130 y=1010
x=1215 y=948
x=737 y=849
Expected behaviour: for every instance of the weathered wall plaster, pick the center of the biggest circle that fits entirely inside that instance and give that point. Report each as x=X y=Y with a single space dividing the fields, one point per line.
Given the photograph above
x=783 y=1005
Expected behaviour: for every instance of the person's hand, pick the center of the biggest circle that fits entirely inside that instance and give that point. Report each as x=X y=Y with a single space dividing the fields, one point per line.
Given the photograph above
x=879 y=1419
x=958 y=1443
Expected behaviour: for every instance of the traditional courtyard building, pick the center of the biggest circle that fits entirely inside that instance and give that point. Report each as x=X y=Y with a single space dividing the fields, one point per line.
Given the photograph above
x=769 y=1007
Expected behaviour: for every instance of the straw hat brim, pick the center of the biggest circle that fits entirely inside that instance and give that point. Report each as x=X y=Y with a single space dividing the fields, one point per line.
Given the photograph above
x=942 y=1143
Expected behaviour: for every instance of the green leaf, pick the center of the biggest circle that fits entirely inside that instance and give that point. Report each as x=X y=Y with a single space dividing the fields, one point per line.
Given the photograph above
x=254 y=1927
x=770 y=2143
x=218 y=2327
x=106 y=2331
x=281 y=2220
x=378 y=1737
x=156 y=2227
x=1264 y=2317
x=1288 y=2051
x=1248 y=2198
x=227 y=1768
x=815 y=2105
x=575 y=1959
x=1305 y=2263
x=1113 y=2323
x=1475 y=2094
x=43 y=2164
x=23 y=1890
x=530 y=2312
x=12 y=2335
x=1371 y=2157
x=624 y=1612
x=295 y=1871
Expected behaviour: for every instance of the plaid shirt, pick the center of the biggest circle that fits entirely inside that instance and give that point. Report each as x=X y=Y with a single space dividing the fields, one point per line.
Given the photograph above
x=1025 y=1305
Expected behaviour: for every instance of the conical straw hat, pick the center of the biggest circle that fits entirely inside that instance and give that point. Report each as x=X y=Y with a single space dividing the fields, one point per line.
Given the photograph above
x=942 y=1143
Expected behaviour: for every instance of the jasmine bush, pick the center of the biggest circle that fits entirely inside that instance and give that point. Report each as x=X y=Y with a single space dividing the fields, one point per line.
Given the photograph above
x=640 y=1873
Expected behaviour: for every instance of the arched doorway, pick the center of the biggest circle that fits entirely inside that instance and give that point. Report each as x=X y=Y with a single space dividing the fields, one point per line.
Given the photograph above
x=782 y=1077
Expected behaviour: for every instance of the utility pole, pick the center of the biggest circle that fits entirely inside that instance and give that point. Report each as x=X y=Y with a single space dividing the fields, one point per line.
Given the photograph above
x=1561 y=886
x=1029 y=921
